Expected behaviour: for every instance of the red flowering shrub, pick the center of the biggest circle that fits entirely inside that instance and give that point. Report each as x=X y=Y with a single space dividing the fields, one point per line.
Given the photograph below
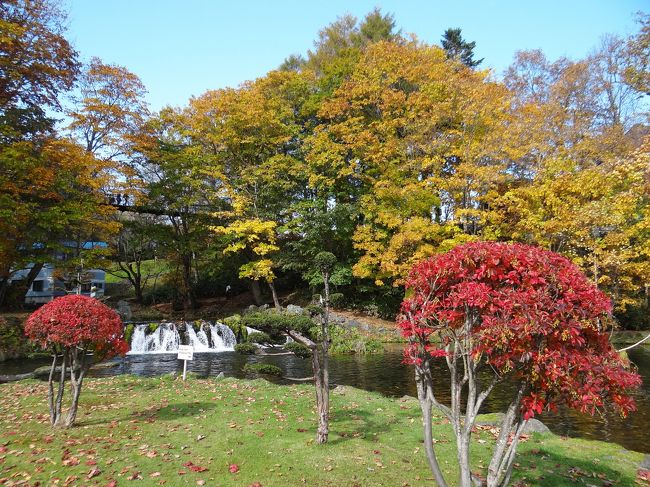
x=72 y=327
x=497 y=311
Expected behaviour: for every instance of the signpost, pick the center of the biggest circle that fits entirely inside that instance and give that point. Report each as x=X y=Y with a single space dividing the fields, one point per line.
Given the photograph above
x=185 y=353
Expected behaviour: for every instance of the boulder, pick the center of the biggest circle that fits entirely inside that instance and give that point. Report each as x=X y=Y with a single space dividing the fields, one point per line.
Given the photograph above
x=536 y=426
x=294 y=309
x=645 y=464
x=12 y=378
x=124 y=310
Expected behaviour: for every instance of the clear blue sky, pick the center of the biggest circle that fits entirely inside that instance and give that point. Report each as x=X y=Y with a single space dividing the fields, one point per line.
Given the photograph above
x=183 y=48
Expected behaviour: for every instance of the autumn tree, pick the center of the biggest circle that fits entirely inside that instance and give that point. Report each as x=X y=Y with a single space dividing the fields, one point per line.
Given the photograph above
x=459 y=49
x=494 y=312
x=47 y=197
x=415 y=144
x=108 y=111
x=71 y=328
x=37 y=63
x=185 y=188
x=258 y=240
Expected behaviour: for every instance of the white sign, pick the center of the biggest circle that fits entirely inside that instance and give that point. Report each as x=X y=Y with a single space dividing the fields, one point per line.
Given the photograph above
x=185 y=352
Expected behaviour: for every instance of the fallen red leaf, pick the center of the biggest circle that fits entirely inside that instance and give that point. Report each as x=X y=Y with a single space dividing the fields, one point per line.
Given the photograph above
x=93 y=473
x=234 y=468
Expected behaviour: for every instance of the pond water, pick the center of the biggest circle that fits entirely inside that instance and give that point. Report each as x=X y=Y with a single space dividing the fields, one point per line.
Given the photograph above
x=386 y=374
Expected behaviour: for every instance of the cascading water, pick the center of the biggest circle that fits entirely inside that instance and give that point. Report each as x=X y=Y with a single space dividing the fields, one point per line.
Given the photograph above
x=166 y=338
x=199 y=341
x=223 y=339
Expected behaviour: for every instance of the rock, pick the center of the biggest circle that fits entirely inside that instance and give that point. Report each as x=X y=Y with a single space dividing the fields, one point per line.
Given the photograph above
x=645 y=464
x=264 y=307
x=221 y=375
x=533 y=425
x=124 y=310
x=252 y=308
x=13 y=378
x=339 y=390
x=105 y=365
x=406 y=397
x=536 y=426
x=294 y=310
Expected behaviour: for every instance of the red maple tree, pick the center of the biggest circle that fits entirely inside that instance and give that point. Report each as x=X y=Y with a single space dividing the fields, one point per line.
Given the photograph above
x=72 y=327
x=495 y=312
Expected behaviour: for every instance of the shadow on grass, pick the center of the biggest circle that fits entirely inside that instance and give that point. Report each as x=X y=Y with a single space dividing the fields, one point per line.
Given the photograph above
x=549 y=468
x=359 y=423
x=177 y=410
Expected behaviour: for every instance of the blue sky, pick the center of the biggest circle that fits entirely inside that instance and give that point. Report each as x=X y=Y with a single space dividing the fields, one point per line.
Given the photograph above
x=183 y=48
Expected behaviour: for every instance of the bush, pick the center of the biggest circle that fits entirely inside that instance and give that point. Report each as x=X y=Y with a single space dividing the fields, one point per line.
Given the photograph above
x=259 y=337
x=276 y=323
x=314 y=309
x=337 y=300
x=298 y=349
x=266 y=369
x=74 y=326
x=235 y=323
x=128 y=332
x=245 y=348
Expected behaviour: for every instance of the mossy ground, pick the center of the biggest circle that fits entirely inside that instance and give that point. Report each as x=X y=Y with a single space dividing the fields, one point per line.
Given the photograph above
x=165 y=431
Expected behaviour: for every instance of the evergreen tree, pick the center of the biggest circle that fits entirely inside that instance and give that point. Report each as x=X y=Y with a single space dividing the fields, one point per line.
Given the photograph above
x=459 y=49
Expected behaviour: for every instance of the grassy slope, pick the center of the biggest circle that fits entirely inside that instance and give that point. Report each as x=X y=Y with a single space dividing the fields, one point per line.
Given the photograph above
x=150 y=428
x=149 y=267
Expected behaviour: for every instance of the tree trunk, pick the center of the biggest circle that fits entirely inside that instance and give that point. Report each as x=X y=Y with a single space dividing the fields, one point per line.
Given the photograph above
x=257 y=292
x=324 y=406
x=276 y=301
x=56 y=413
x=78 y=367
x=137 y=285
x=422 y=379
x=189 y=300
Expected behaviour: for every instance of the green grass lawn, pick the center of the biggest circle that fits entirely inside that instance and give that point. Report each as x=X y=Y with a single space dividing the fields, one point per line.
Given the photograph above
x=164 y=431
x=149 y=267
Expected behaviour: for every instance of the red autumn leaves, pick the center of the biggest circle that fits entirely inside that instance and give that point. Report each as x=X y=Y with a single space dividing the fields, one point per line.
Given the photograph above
x=535 y=315
x=76 y=320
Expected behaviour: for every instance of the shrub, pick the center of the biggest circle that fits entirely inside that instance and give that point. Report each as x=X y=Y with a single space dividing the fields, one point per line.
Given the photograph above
x=259 y=337
x=266 y=369
x=337 y=300
x=509 y=312
x=274 y=322
x=298 y=349
x=235 y=323
x=245 y=348
x=128 y=332
x=73 y=326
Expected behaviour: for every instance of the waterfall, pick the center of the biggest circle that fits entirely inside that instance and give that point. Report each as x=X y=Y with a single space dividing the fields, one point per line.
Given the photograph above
x=199 y=341
x=166 y=338
x=223 y=339
x=139 y=339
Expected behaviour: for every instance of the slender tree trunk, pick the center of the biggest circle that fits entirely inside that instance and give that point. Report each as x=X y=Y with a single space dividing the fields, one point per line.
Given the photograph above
x=423 y=382
x=78 y=366
x=50 y=389
x=324 y=408
x=189 y=300
x=503 y=454
x=320 y=384
x=59 y=395
x=276 y=301
x=257 y=292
